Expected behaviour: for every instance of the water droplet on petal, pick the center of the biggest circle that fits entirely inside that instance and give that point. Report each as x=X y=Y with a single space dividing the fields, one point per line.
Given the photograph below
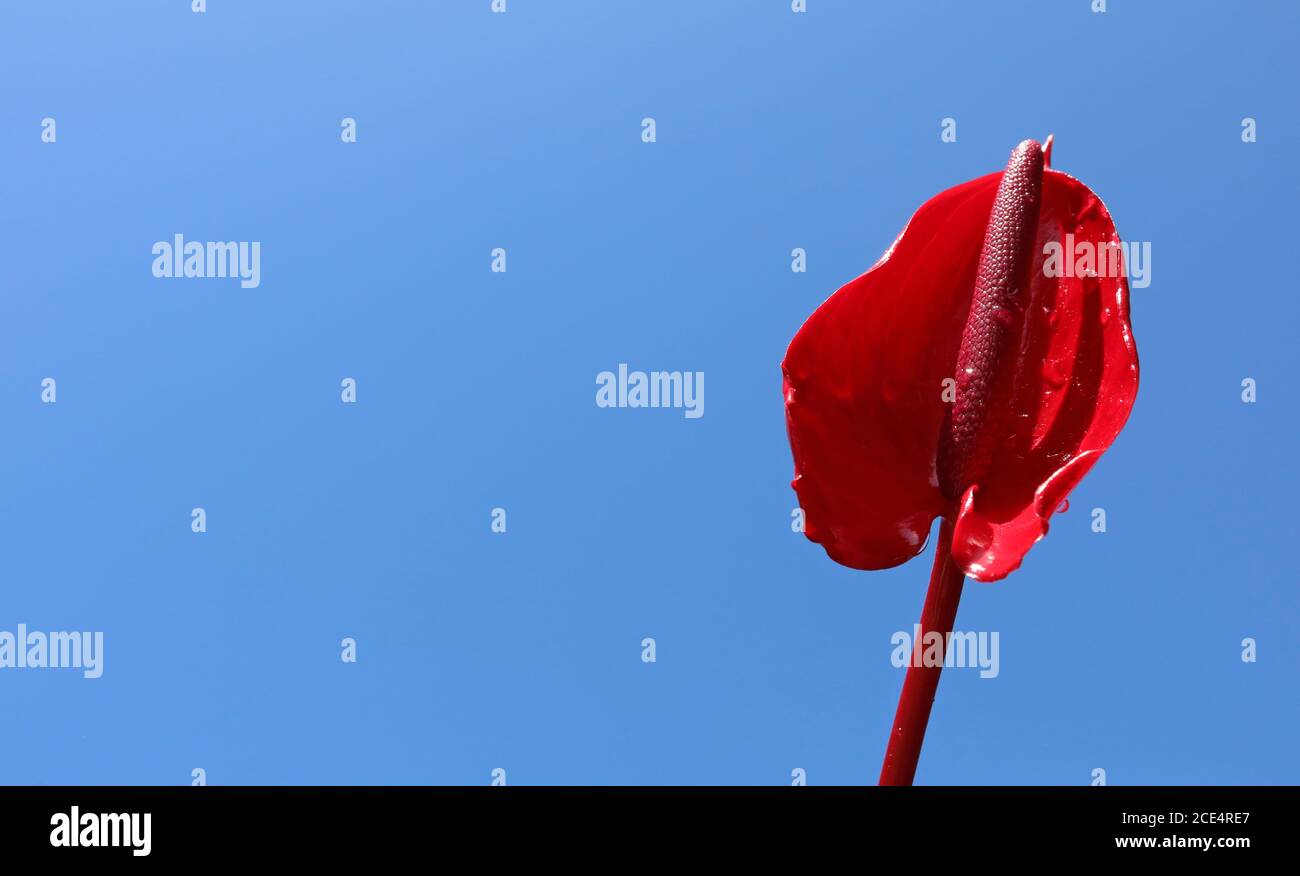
x=1063 y=507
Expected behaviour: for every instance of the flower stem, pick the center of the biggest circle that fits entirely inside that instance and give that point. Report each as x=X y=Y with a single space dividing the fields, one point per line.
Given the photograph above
x=938 y=615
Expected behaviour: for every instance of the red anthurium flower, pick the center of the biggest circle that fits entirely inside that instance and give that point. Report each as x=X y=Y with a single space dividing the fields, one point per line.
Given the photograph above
x=975 y=373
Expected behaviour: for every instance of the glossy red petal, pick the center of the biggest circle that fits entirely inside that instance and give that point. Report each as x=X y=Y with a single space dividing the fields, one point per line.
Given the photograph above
x=1075 y=382
x=863 y=383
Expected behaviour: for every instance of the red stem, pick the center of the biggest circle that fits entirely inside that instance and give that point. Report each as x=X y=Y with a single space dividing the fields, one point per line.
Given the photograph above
x=914 y=702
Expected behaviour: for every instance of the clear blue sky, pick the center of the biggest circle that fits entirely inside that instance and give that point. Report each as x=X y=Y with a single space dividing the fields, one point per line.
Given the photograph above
x=476 y=390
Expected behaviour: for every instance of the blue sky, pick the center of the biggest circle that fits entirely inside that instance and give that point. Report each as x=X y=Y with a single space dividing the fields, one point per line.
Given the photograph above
x=522 y=651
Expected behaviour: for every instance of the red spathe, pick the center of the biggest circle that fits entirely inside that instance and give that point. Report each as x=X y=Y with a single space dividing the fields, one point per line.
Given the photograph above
x=865 y=379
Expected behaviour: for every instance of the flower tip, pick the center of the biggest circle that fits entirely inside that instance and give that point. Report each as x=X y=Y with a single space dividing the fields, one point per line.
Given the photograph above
x=1028 y=147
x=1047 y=151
